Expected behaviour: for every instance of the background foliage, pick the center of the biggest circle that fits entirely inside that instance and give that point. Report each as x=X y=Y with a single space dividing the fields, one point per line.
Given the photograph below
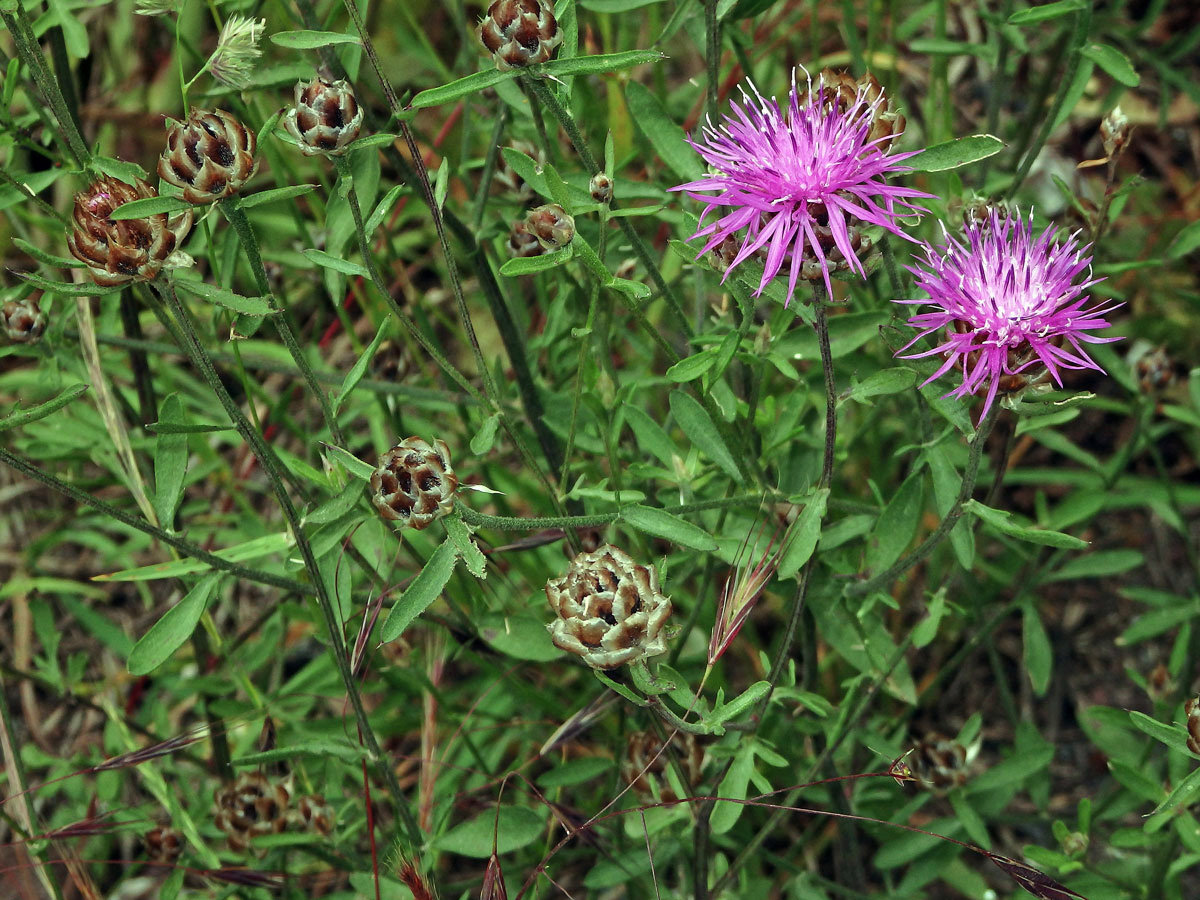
x=1041 y=656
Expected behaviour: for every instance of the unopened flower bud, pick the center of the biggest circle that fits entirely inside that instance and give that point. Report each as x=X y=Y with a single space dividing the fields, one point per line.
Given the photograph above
x=325 y=118
x=522 y=243
x=123 y=250
x=23 y=320
x=520 y=32
x=210 y=156
x=414 y=483
x=1114 y=132
x=601 y=188
x=551 y=225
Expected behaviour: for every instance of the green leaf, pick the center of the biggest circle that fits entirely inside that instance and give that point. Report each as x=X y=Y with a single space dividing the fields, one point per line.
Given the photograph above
x=151 y=206
x=598 y=65
x=698 y=425
x=803 y=534
x=272 y=196
x=1039 y=658
x=50 y=259
x=170 y=463
x=485 y=438
x=441 y=183
x=247 y=306
x=956 y=153
x=946 y=484
x=460 y=534
x=69 y=288
x=733 y=787
x=169 y=633
x=723 y=712
x=650 y=436
x=186 y=428
x=521 y=636
x=329 y=261
x=351 y=463
x=663 y=133
x=509 y=827
x=575 y=771
x=359 y=369
x=886 y=381
x=897 y=524
x=384 y=207
x=17 y=419
x=528 y=265
x=1046 y=11
x=337 y=506
x=425 y=588
x=321 y=748
x=1003 y=522
x=1174 y=736
x=692 y=367
x=660 y=523
x=302 y=39
x=1187 y=241
x=121 y=169
x=1179 y=799
x=472 y=84
x=1097 y=565
x=1114 y=62
x=252 y=549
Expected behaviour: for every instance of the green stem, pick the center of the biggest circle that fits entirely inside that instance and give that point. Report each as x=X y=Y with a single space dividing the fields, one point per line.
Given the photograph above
x=930 y=543
x=547 y=98
x=237 y=218
x=511 y=523
x=1079 y=35
x=712 y=54
x=30 y=53
x=337 y=640
x=187 y=548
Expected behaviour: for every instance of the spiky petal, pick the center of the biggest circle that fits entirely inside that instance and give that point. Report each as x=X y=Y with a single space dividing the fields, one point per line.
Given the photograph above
x=800 y=181
x=1007 y=301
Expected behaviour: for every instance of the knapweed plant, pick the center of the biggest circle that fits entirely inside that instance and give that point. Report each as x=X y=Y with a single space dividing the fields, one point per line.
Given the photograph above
x=599 y=448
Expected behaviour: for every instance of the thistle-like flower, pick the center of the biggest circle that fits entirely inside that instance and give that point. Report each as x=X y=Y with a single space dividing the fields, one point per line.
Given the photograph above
x=1008 y=302
x=801 y=182
x=232 y=63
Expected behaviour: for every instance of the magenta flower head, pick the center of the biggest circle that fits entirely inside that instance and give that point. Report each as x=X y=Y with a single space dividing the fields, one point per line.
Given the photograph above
x=801 y=182
x=1007 y=302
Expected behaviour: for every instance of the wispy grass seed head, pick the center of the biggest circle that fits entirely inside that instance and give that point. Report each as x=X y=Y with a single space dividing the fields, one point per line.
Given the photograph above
x=800 y=178
x=232 y=63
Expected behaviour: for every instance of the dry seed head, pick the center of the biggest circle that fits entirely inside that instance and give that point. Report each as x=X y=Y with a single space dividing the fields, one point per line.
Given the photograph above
x=326 y=117
x=609 y=609
x=250 y=806
x=119 y=251
x=209 y=156
x=312 y=814
x=939 y=763
x=551 y=225
x=520 y=32
x=24 y=321
x=644 y=767
x=414 y=483
x=163 y=845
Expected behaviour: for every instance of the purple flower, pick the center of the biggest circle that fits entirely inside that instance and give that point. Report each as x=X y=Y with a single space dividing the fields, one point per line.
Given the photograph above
x=798 y=181
x=1007 y=301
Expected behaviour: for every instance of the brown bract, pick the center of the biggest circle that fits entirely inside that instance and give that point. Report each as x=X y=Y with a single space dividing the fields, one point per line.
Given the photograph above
x=609 y=608
x=23 y=320
x=209 y=156
x=886 y=122
x=520 y=32
x=250 y=806
x=326 y=117
x=124 y=250
x=521 y=243
x=414 y=483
